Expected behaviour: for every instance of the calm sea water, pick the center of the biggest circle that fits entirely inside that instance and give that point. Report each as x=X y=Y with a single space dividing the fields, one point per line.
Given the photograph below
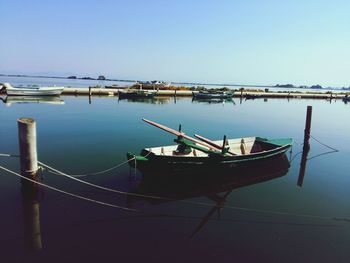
x=278 y=221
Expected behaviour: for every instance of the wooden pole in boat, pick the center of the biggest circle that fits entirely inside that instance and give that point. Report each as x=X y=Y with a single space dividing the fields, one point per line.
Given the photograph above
x=223 y=145
x=212 y=143
x=27 y=147
x=177 y=133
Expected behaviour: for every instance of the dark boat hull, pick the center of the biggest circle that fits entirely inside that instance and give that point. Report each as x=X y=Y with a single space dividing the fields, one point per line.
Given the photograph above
x=182 y=162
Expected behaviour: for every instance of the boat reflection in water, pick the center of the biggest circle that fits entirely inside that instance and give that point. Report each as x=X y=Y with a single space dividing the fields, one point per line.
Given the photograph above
x=33 y=99
x=153 y=100
x=178 y=184
x=214 y=184
x=213 y=100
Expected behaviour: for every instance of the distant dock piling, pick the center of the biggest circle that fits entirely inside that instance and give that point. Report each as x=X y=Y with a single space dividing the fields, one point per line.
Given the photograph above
x=27 y=147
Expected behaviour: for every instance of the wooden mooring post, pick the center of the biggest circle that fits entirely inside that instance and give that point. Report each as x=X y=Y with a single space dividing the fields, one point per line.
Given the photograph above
x=29 y=168
x=27 y=147
x=306 y=147
x=307 y=126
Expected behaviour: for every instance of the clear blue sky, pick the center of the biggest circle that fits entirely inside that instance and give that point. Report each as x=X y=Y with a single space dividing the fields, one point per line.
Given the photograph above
x=243 y=41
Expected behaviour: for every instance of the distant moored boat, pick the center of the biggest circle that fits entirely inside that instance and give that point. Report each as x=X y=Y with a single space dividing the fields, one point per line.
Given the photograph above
x=32 y=90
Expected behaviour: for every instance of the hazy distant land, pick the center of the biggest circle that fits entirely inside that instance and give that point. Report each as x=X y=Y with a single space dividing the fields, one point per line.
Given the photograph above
x=103 y=78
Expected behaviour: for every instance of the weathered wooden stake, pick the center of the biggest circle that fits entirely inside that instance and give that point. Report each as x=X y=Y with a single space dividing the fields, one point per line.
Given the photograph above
x=27 y=147
x=307 y=126
x=306 y=147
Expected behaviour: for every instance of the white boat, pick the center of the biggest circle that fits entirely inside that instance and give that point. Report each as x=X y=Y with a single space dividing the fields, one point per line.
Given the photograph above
x=32 y=90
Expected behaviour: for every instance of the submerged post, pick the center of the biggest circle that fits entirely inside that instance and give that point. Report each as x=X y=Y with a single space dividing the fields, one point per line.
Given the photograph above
x=27 y=147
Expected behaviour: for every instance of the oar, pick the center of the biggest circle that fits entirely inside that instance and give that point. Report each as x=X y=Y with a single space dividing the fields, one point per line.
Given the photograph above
x=210 y=142
x=177 y=133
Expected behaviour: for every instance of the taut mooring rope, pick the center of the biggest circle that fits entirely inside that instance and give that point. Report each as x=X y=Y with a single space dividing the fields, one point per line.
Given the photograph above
x=68 y=193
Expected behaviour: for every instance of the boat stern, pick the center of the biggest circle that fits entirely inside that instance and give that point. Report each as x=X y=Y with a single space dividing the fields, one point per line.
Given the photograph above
x=135 y=160
x=278 y=142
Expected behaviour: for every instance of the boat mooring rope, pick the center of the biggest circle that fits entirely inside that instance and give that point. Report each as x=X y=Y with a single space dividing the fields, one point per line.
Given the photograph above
x=8 y=155
x=118 y=191
x=204 y=204
x=73 y=177
x=329 y=147
x=68 y=193
x=52 y=170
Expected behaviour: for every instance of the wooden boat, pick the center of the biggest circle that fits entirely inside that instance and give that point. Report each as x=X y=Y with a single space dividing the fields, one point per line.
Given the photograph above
x=32 y=90
x=212 y=95
x=201 y=151
x=136 y=94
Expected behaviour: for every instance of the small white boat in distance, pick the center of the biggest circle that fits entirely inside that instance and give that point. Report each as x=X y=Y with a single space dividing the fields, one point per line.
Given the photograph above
x=32 y=90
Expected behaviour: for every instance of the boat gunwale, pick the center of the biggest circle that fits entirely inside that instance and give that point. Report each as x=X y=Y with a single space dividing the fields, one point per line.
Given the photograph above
x=227 y=158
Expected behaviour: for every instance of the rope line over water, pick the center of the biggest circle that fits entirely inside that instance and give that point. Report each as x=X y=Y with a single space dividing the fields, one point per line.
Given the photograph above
x=272 y=212
x=83 y=175
x=73 y=177
x=118 y=191
x=8 y=155
x=329 y=147
x=68 y=193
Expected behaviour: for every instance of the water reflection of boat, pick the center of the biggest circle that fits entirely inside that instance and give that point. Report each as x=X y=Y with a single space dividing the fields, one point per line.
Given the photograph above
x=33 y=99
x=214 y=184
x=151 y=100
x=252 y=96
x=32 y=90
x=189 y=183
x=212 y=100
x=212 y=95
x=136 y=94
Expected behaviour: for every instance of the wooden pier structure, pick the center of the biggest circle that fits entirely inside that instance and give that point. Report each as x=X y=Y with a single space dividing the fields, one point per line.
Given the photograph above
x=188 y=93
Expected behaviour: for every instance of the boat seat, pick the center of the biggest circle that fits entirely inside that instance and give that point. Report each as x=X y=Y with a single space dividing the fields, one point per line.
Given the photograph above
x=180 y=153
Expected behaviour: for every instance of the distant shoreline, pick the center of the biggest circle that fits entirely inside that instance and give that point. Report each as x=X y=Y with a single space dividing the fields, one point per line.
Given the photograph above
x=288 y=86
